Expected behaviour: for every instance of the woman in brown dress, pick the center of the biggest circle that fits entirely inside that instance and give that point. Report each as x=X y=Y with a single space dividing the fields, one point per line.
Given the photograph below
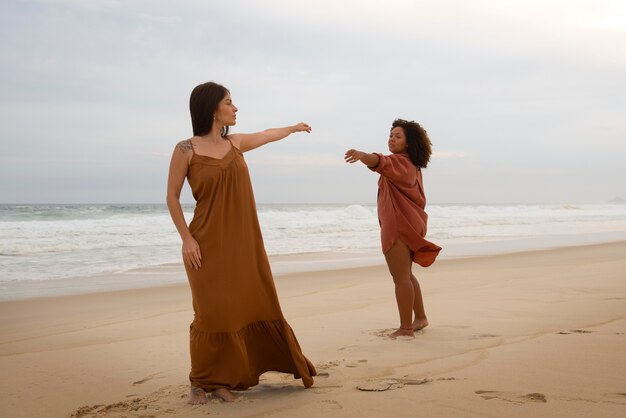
x=238 y=331
x=401 y=201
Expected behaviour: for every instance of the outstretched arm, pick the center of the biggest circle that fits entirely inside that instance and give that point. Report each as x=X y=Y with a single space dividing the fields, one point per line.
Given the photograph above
x=247 y=142
x=352 y=156
x=396 y=167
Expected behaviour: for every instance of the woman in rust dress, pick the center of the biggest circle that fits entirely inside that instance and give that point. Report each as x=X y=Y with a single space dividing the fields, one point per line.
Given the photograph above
x=238 y=331
x=401 y=202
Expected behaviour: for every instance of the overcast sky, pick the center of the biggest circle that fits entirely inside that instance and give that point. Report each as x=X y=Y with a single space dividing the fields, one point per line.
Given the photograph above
x=524 y=101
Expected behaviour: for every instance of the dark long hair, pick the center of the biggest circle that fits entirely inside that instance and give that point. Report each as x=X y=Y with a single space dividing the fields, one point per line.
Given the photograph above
x=418 y=143
x=203 y=104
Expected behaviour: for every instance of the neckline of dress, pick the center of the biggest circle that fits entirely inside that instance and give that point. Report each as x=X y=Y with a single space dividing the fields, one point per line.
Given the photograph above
x=213 y=158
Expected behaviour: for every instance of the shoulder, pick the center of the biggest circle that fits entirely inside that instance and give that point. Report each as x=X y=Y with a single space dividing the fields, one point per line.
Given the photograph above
x=399 y=157
x=183 y=151
x=185 y=146
x=397 y=167
x=395 y=159
x=402 y=159
x=235 y=139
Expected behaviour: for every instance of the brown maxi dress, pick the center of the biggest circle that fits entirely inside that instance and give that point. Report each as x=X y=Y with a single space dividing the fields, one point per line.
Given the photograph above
x=401 y=202
x=238 y=331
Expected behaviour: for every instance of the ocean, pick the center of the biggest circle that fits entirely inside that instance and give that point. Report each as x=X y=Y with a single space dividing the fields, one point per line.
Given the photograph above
x=57 y=242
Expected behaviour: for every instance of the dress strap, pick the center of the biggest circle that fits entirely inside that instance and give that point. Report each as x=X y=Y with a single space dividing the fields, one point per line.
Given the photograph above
x=191 y=145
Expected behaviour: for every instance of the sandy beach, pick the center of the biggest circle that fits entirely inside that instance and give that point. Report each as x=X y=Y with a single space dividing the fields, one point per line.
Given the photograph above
x=538 y=333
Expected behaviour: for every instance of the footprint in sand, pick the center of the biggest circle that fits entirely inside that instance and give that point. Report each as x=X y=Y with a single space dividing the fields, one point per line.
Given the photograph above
x=381 y=332
x=381 y=385
x=154 y=404
x=347 y=347
x=575 y=331
x=332 y=404
x=327 y=364
x=145 y=379
x=388 y=331
x=355 y=364
x=512 y=397
x=480 y=336
x=324 y=388
x=327 y=385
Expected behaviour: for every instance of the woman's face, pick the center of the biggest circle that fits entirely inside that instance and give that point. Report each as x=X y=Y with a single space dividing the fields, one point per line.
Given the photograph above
x=225 y=114
x=397 y=141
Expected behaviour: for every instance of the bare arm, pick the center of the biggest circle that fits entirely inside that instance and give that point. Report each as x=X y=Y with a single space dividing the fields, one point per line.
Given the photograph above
x=179 y=165
x=352 y=156
x=247 y=142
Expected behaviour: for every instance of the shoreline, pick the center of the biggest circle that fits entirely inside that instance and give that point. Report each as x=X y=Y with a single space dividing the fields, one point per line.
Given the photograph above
x=283 y=264
x=505 y=333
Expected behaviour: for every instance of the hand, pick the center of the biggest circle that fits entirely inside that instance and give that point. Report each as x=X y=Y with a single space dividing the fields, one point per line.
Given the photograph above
x=191 y=253
x=352 y=156
x=302 y=127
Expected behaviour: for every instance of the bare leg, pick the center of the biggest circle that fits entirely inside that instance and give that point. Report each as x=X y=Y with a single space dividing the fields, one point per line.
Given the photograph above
x=399 y=262
x=197 y=396
x=224 y=394
x=420 y=320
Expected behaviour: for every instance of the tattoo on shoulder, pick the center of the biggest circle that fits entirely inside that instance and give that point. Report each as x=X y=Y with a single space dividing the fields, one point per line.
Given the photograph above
x=184 y=146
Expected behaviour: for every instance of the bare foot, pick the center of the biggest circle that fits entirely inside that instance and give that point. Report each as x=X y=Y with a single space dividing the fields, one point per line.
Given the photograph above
x=420 y=324
x=224 y=394
x=197 y=396
x=402 y=332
